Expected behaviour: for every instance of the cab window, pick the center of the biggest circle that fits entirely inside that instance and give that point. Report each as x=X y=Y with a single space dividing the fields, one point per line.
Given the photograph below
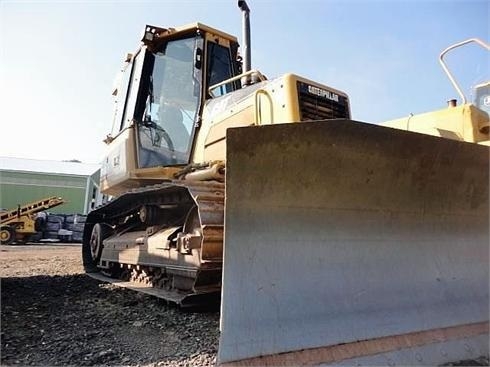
x=220 y=67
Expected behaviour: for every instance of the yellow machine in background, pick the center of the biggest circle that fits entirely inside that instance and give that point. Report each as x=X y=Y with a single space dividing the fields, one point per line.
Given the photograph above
x=467 y=122
x=18 y=224
x=336 y=231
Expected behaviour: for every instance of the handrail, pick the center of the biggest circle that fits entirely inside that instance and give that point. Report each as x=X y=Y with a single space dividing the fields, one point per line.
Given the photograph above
x=237 y=77
x=258 y=114
x=448 y=73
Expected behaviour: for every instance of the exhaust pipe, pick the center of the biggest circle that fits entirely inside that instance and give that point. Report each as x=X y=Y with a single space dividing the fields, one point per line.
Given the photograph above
x=242 y=4
x=452 y=103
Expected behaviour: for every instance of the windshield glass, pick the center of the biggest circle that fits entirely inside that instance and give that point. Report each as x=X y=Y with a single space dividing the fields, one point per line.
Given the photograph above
x=165 y=135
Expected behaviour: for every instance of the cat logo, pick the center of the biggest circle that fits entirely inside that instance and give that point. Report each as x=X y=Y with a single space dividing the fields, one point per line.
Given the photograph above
x=323 y=93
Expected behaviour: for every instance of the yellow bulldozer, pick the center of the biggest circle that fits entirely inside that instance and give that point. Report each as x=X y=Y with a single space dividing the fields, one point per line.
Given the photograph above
x=331 y=242
x=178 y=95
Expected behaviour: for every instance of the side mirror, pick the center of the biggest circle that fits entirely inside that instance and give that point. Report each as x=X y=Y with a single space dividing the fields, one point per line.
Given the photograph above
x=198 y=58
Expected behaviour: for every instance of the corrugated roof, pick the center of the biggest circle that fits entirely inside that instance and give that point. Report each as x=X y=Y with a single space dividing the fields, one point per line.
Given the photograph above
x=44 y=166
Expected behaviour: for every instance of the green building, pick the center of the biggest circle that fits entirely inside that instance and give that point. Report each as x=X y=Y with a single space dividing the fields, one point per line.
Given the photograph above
x=27 y=180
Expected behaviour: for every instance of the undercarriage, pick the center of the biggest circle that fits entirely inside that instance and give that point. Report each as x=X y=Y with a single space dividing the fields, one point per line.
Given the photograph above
x=165 y=239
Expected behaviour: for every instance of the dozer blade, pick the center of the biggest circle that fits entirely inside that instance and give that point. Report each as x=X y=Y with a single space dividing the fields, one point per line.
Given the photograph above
x=349 y=243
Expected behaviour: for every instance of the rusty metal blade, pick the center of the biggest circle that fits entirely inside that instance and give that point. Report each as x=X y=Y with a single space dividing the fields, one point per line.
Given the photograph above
x=342 y=232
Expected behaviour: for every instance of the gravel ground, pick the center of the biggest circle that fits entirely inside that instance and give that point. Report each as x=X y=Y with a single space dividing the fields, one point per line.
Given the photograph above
x=52 y=314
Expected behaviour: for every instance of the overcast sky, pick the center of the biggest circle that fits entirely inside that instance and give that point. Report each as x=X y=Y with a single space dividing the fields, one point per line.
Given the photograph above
x=58 y=59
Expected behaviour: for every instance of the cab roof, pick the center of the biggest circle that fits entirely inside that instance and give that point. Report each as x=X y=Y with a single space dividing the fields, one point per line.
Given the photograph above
x=194 y=26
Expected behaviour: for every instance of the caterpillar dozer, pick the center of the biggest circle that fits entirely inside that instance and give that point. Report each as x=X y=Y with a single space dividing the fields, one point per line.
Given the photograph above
x=190 y=114
x=177 y=96
x=16 y=225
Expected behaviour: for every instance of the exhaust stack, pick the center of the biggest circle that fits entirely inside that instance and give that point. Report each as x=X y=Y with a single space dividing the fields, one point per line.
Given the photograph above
x=242 y=4
x=452 y=103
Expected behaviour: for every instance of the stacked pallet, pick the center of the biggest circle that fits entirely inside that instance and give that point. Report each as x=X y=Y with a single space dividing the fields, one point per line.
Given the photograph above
x=75 y=223
x=59 y=228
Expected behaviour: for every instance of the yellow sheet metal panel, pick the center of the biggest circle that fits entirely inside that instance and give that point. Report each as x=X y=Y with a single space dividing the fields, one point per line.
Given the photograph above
x=288 y=98
x=464 y=122
x=339 y=232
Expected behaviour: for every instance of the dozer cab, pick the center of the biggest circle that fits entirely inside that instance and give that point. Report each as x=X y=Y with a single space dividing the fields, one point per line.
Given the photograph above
x=344 y=242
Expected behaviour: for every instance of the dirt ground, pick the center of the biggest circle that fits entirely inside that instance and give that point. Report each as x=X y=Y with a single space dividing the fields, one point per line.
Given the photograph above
x=53 y=314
